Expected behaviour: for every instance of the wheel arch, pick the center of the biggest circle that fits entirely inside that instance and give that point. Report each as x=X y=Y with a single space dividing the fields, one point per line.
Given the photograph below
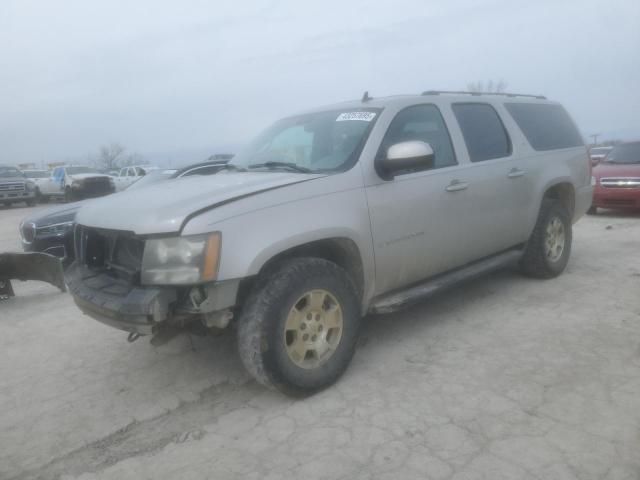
x=341 y=250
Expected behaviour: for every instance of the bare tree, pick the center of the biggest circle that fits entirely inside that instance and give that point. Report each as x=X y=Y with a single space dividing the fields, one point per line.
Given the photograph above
x=110 y=155
x=490 y=87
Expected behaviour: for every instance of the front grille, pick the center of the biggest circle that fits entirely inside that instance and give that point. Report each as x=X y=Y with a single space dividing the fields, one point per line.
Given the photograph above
x=12 y=187
x=620 y=182
x=96 y=186
x=111 y=251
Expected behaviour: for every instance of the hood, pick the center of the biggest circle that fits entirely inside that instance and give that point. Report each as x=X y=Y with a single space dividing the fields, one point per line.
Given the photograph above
x=81 y=176
x=605 y=169
x=57 y=214
x=164 y=207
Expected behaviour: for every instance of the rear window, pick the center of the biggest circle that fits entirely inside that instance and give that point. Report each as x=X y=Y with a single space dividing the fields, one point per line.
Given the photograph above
x=547 y=127
x=483 y=131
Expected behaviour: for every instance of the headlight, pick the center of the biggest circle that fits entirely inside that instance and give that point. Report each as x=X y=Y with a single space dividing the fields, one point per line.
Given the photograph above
x=181 y=260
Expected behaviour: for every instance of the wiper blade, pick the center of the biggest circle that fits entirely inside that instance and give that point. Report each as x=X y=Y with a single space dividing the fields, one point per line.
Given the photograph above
x=231 y=166
x=290 y=166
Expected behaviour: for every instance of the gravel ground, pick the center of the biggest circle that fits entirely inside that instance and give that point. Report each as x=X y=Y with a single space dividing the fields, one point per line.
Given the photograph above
x=502 y=378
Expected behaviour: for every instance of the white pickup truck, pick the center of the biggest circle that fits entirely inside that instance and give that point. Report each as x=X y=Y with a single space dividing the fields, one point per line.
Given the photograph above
x=129 y=175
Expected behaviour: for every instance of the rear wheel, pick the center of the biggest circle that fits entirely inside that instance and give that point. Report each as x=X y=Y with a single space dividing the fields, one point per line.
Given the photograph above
x=547 y=252
x=298 y=329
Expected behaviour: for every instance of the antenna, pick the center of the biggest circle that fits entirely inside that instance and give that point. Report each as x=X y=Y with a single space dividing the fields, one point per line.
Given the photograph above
x=366 y=97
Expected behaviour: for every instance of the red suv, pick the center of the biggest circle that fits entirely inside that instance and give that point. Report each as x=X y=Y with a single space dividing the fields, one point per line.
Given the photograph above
x=617 y=179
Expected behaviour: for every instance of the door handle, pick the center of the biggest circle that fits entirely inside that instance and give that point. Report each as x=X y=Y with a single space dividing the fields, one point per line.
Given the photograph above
x=456 y=186
x=515 y=173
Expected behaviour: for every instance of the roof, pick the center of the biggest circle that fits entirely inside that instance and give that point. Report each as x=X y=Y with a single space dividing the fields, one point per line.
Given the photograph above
x=436 y=96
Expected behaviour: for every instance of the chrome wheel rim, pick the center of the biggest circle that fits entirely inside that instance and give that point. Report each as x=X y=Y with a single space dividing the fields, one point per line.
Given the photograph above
x=554 y=239
x=313 y=329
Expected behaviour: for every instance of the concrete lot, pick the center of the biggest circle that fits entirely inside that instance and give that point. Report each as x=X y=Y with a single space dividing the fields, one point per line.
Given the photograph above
x=503 y=378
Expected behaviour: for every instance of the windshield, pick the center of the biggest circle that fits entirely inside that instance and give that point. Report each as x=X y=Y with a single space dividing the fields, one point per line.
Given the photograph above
x=152 y=177
x=316 y=142
x=76 y=170
x=10 y=172
x=625 y=153
x=36 y=173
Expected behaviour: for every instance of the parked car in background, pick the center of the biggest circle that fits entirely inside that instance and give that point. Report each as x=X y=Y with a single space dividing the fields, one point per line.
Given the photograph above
x=51 y=231
x=75 y=182
x=38 y=177
x=597 y=154
x=129 y=175
x=617 y=179
x=363 y=206
x=16 y=187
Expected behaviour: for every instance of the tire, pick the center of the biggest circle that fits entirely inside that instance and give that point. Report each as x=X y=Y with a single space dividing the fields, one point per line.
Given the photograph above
x=31 y=202
x=68 y=195
x=540 y=260
x=269 y=348
x=7 y=204
x=592 y=211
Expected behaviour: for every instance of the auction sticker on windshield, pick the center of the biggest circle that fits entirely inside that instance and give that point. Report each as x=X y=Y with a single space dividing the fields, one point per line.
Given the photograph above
x=362 y=116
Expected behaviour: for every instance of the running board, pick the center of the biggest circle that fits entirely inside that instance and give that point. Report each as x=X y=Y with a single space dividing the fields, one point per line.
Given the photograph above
x=400 y=299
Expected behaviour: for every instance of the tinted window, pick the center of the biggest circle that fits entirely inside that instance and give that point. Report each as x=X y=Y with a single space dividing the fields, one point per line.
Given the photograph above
x=421 y=122
x=483 y=131
x=10 y=172
x=625 y=153
x=547 y=127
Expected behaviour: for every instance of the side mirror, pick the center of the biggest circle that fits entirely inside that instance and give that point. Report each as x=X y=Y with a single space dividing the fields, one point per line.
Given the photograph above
x=411 y=155
x=594 y=161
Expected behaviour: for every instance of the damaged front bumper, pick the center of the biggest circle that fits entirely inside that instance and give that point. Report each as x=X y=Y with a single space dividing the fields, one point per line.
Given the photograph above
x=29 y=266
x=117 y=303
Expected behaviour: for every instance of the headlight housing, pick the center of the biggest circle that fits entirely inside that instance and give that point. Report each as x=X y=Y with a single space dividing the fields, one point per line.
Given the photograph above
x=181 y=260
x=76 y=182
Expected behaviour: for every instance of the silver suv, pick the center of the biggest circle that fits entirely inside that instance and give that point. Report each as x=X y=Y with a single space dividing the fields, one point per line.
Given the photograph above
x=360 y=207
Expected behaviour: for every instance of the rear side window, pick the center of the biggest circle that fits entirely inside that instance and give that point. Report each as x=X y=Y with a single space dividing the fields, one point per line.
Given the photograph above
x=483 y=131
x=547 y=127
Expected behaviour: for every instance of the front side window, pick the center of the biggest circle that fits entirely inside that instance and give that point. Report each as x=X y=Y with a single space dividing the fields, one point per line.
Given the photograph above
x=483 y=131
x=546 y=126
x=423 y=123
x=316 y=142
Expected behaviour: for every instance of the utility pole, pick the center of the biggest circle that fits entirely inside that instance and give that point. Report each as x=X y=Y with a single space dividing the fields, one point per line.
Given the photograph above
x=595 y=138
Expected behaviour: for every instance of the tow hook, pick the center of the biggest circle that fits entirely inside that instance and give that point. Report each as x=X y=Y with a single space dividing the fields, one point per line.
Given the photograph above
x=133 y=336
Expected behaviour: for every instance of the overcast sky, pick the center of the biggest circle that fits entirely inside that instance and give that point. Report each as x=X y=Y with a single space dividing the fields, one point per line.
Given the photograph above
x=167 y=79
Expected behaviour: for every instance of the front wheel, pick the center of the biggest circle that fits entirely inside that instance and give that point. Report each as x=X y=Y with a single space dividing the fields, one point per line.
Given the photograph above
x=547 y=252
x=68 y=195
x=592 y=210
x=298 y=328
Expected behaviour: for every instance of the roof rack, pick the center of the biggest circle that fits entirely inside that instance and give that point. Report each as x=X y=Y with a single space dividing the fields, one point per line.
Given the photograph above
x=438 y=92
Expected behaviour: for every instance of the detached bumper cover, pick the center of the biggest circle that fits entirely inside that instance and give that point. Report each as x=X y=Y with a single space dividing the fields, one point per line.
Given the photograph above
x=116 y=303
x=32 y=266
